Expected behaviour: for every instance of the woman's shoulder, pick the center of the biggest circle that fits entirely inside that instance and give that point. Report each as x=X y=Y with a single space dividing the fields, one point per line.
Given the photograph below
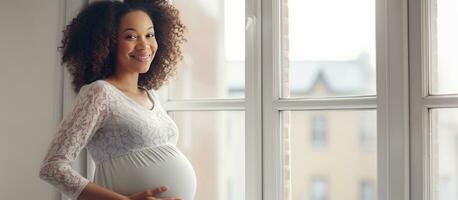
x=96 y=87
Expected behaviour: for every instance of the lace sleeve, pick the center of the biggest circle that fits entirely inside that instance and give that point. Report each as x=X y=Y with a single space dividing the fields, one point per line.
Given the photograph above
x=88 y=113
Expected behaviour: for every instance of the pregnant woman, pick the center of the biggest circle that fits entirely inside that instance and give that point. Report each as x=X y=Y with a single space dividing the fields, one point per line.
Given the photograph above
x=118 y=54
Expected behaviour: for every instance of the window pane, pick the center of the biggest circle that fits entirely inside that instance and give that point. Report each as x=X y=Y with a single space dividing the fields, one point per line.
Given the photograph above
x=319 y=189
x=344 y=168
x=318 y=131
x=328 y=48
x=444 y=146
x=214 y=142
x=214 y=55
x=367 y=190
x=444 y=47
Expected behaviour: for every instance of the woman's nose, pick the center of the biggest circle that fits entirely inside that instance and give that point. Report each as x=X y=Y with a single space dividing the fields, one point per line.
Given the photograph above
x=142 y=44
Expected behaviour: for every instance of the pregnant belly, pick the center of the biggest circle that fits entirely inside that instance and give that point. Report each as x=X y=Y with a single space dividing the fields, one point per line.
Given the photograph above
x=149 y=168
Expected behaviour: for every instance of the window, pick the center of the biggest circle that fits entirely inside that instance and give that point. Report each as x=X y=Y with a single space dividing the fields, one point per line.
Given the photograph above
x=379 y=74
x=444 y=190
x=367 y=191
x=207 y=98
x=341 y=161
x=326 y=74
x=368 y=136
x=443 y=31
x=302 y=74
x=214 y=54
x=443 y=83
x=444 y=146
x=434 y=92
x=318 y=131
x=219 y=163
x=319 y=189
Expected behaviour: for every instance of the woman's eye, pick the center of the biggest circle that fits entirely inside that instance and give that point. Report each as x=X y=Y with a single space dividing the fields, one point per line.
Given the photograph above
x=150 y=35
x=131 y=37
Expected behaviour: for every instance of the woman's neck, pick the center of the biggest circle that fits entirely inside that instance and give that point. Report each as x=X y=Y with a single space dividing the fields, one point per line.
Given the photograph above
x=126 y=82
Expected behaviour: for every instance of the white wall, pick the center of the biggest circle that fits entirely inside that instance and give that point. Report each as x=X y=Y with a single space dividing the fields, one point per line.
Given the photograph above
x=30 y=93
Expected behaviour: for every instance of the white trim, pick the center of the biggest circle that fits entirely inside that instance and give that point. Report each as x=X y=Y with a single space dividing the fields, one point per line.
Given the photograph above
x=204 y=105
x=420 y=61
x=417 y=91
x=272 y=154
x=339 y=103
x=445 y=101
x=422 y=48
x=392 y=99
x=253 y=104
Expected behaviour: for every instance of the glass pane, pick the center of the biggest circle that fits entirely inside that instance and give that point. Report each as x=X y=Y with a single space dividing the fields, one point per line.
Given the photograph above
x=214 y=142
x=330 y=155
x=328 y=48
x=444 y=47
x=444 y=146
x=214 y=55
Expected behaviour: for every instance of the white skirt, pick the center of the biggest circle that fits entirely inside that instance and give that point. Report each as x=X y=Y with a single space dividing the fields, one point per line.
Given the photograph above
x=146 y=169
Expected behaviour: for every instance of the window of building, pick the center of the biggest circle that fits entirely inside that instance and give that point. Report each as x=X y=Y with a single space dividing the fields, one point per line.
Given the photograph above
x=318 y=131
x=368 y=132
x=319 y=188
x=367 y=190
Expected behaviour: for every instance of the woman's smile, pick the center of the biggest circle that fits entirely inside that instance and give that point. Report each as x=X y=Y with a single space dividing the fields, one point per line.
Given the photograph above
x=141 y=57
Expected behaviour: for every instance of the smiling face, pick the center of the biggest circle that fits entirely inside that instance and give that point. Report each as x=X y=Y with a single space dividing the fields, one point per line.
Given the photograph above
x=137 y=44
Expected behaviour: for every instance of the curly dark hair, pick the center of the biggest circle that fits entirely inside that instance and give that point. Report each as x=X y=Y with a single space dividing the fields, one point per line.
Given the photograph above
x=89 y=41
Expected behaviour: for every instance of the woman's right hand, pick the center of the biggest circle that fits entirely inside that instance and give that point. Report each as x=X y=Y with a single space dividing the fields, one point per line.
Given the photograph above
x=151 y=193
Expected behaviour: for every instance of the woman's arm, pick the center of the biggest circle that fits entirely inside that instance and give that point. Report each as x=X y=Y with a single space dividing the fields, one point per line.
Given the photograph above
x=93 y=191
x=90 y=110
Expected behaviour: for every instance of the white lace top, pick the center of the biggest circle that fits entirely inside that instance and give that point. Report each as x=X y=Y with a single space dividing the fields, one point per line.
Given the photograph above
x=109 y=124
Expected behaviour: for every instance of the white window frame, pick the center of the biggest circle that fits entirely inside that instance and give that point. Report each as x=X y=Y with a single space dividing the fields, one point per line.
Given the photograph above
x=391 y=101
x=421 y=47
